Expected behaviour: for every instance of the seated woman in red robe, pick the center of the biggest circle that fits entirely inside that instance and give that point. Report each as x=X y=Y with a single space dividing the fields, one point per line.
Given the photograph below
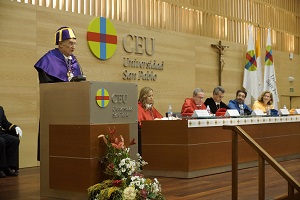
x=194 y=103
x=146 y=110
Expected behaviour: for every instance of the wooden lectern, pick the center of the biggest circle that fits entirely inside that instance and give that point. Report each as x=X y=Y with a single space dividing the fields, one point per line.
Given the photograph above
x=72 y=115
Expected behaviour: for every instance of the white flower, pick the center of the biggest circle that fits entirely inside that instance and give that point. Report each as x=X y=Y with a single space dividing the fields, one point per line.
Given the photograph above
x=137 y=183
x=122 y=162
x=156 y=186
x=129 y=193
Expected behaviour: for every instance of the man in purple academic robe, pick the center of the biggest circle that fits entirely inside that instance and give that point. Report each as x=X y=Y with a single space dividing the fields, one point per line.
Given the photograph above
x=59 y=64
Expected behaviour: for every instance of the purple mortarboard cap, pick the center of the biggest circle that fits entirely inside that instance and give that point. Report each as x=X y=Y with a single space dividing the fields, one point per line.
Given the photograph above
x=64 y=33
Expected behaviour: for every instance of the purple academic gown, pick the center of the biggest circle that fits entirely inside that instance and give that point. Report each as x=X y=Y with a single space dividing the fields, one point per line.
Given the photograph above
x=53 y=63
x=52 y=68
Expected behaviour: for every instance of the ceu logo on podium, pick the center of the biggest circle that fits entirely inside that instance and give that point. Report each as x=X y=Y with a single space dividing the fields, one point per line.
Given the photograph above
x=102 y=38
x=102 y=98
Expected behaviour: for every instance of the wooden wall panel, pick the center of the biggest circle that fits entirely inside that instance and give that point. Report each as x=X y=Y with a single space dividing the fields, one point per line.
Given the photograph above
x=18 y=85
x=190 y=62
x=295 y=102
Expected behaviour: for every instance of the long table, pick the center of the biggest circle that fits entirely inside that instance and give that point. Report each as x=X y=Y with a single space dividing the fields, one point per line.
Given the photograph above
x=193 y=148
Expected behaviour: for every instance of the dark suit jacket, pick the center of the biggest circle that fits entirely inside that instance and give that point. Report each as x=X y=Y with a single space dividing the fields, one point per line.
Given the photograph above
x=5 y=125
x=7 y=134
x=212 y=105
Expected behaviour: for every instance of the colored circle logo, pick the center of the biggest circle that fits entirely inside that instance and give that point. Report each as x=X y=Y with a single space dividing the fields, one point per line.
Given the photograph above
x=251 y=64
x=102 y=38
x=102 y=98
x=269 y=57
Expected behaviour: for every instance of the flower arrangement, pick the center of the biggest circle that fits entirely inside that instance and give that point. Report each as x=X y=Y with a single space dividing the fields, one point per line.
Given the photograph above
x=127 y=182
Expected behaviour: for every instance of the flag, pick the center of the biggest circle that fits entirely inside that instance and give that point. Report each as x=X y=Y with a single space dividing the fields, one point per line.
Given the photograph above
x=259 y=62
x=250 y=82
x=269 y=75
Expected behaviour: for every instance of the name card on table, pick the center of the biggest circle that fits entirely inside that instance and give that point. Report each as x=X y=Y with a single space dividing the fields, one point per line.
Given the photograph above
x=232 y=113
x=297 y=111
x=257 y=113
x=284 y=112
x=200 y=113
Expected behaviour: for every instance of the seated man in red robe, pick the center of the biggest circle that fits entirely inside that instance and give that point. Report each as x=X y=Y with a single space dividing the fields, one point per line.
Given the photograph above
x=194 y=103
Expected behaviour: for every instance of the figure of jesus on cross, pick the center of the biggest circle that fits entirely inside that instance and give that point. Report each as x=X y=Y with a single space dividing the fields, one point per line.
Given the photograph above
x=221 y=48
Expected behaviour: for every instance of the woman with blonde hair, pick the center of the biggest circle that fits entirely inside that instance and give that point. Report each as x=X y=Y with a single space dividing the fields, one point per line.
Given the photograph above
x=264 y=102
x=146 y=111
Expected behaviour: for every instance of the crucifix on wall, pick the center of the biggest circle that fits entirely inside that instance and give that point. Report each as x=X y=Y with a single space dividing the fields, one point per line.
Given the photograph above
x=221 y=48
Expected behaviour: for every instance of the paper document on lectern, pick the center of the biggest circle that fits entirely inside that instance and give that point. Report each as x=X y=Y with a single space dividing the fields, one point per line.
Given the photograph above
x=297 y=112
x=200 y=113
x=232 y=113
x=284 y=112
x=257 y=113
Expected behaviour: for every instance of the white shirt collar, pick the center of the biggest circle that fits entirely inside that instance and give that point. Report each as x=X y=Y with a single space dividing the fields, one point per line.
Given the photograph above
x=67 y=57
